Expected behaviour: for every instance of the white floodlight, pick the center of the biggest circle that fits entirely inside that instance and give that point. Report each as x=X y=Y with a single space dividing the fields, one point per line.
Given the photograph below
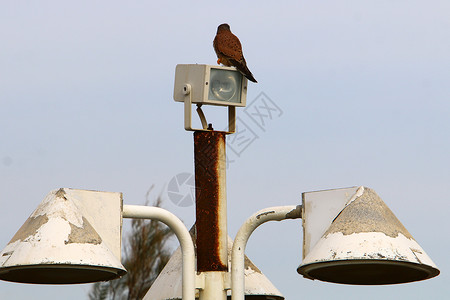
x=352 y=237
x=209 y=85
x=169 y=282
x=74 y=236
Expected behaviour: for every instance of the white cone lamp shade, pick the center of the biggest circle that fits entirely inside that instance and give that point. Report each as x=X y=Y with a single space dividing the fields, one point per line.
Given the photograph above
x=366 y=244
x=74 y=236
x=168 y=284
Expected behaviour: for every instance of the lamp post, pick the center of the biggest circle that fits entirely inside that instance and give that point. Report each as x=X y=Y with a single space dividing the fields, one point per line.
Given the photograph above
x=183 y=236
x=238 y=253
x=349 y=235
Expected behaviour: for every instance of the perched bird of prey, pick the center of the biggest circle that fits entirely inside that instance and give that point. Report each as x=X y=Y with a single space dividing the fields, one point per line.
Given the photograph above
x=229 y=51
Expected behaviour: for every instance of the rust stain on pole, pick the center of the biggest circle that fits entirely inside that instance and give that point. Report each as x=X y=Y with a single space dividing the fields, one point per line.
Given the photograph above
x=210 y=196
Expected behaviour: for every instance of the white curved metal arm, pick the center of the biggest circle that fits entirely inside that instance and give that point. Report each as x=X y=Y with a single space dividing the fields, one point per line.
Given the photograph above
x=277 y=213
x=187 y=246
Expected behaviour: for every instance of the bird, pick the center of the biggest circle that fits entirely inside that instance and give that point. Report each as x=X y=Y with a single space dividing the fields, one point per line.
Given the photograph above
x=229 y=51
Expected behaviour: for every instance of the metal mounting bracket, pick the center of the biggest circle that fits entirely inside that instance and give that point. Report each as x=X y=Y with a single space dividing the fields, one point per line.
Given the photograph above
x=188 y=114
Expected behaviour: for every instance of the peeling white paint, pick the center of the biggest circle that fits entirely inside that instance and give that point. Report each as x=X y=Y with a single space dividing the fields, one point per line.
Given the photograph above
x=58 y=232
x=56 y=205
x=364 y=236
x=168 y=283
x=364 y=245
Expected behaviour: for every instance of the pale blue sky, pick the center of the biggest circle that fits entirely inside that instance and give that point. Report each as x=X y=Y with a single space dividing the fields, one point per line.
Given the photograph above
x=363 y=89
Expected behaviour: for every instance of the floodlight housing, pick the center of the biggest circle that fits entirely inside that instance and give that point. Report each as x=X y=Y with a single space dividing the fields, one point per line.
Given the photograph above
x=74 y=236
x=167 y=285
x=352 y=237
x=211 y=85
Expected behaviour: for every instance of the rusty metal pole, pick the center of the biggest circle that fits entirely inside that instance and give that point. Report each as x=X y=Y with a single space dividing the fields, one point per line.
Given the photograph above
x=211 y=212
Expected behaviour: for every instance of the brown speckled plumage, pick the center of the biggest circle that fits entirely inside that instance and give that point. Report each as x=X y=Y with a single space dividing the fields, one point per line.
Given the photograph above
x=229 y=51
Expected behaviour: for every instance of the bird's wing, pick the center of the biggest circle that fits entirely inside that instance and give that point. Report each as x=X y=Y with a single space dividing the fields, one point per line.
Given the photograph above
x=229 y=46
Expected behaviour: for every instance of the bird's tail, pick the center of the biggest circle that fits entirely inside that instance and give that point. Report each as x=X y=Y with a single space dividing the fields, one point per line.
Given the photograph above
x=242 y=67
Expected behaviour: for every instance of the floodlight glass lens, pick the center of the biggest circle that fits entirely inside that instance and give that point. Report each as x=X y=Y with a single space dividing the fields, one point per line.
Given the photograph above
x=225 y=85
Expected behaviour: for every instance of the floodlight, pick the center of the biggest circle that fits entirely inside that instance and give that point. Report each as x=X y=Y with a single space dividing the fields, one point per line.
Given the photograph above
x=167 y=285
x=209 y=85
x=74 y=236
x=352 y=237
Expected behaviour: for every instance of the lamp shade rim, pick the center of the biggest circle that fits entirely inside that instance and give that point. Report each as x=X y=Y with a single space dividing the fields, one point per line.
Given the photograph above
x=59 y=273
x=368 y=271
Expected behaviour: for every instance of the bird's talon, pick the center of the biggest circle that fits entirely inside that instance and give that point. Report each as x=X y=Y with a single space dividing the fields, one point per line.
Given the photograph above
x=219 y=61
